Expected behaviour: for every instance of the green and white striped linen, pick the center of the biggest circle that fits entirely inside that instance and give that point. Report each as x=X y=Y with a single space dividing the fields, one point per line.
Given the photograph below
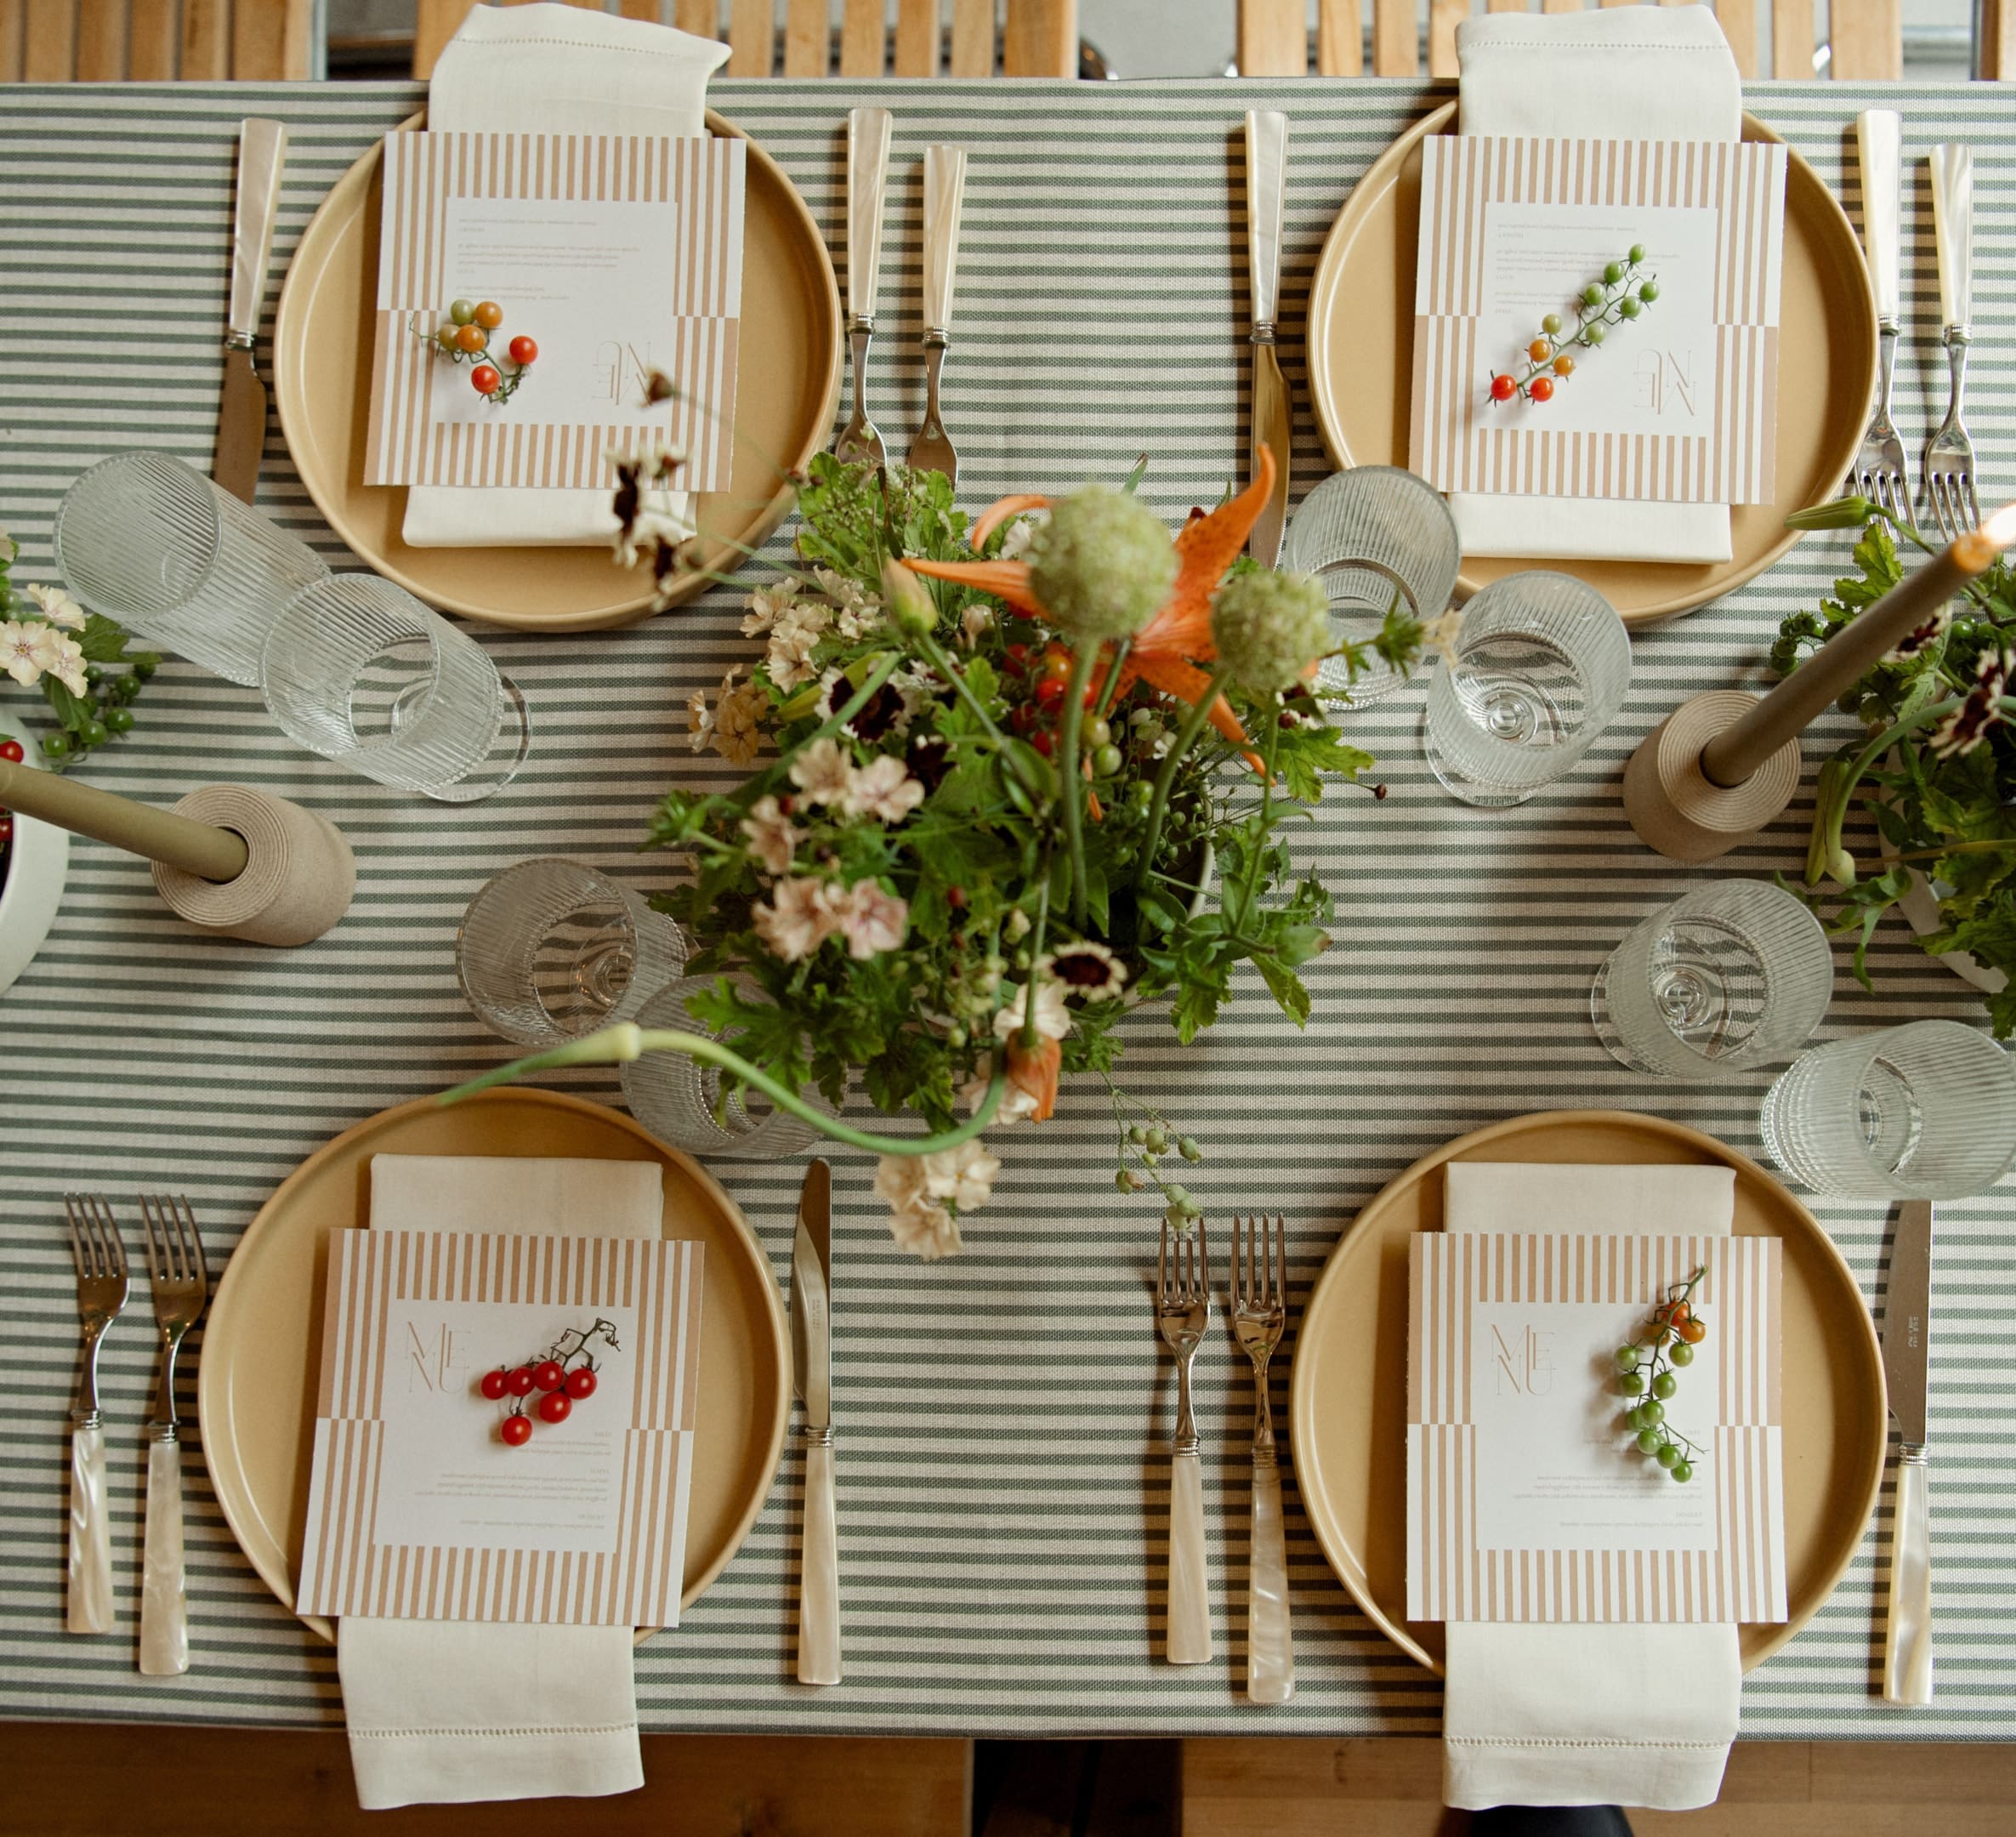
x=1002 y=1416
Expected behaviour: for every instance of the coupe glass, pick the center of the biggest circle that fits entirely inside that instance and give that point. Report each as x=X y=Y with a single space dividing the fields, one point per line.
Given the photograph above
x=1922 y=1111
x=358 y=670
x=1731 y=976
x=552 y=949
x=1541 y=666
x=680 y=1101
x=1370 y=538
x=150 y=541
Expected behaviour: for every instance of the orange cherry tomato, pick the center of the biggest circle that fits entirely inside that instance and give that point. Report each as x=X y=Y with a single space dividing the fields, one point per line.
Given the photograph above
x=1564 y=365
x=471 y=338
x=1540 y=389
x=489 y=315
x=1538 y=350
x=524 y=351
x=1694 y=1331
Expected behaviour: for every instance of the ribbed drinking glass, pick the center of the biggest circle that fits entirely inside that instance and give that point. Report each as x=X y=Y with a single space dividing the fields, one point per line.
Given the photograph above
x=1731 y=976
x=680 y=1100
x=358 y=670
x=150 y=541
x=1372 y=538
x=552 y=949
x=1926 y=1110
x=1540 y=665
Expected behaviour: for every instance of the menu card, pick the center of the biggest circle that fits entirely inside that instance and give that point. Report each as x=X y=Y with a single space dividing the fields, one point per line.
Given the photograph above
x=1527 y=1499
x=618 y=255
x=1679 y=405
x=419 y=1509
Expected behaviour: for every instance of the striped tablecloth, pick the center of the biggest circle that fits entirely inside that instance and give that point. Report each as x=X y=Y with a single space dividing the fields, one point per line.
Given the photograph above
x=1001 y=1510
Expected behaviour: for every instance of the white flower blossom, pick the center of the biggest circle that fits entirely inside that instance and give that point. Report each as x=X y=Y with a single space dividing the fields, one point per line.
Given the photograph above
x=855 y=611
x=1088 y=969
x=773 y=839
x=963 y=1174
x=1015 y=544
x=57 y=607
x=1017 y=1105
x=870 y=919
x=700 y=724
x=27 y=648
x=824 y=773
x=798 y=919
x=974 y=620
x=917 y=1221
x=1053 y=1018
x=738 y=734
x=69 y=667
x=797 y=629
x=1442 y=633
x=766 y=604
x=882 y=789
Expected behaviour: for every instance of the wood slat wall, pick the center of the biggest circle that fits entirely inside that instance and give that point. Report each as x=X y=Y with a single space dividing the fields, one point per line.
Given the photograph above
x=155 y=40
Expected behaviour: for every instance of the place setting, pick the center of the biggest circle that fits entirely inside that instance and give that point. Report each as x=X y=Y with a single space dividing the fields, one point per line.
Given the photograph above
x=916 y=1077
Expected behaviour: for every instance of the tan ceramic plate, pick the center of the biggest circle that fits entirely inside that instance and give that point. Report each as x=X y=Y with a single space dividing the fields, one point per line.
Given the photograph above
x=257 y=1384
x=786 y=387
x=1361 y=354
x=1347 y=1402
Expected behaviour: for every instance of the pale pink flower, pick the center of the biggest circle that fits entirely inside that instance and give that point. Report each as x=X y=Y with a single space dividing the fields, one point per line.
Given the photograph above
x=773 y=839
x=27 y=648
x=57 y=607
x=963 y=1174
x=871 y=920
x=882 y=789
x=766 y=604
x=69 y=667
x=824 y=773
x=738 y=714
x=798 y=919
x=796 y=630
x=1053 y=1018
x=700 y=724
x=917 y=1222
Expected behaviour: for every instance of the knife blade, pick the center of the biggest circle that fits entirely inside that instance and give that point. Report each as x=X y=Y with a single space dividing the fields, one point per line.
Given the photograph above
x=241 y=409
x=1266 y=193
x=811 y=1378
x=1907 y=1342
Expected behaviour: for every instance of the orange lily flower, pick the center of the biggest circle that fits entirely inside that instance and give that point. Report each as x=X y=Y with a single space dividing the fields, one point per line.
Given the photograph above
x=1166 y=651
x=1034 y=1070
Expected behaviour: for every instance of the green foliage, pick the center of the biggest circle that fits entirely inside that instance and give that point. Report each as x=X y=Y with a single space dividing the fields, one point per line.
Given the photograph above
x=116 y=673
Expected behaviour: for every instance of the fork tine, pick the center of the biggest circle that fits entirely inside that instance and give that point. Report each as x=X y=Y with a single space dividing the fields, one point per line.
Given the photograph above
x=192 y=1240
x=1936 y=501
x=151 y=1236
x=1203 y=1291
x=76 y=1241
x=1281 y=1256
x=1161 y=1268
x=95 y=1234
x=115 y=1245
x=1973 y=504
x=1253 y=1295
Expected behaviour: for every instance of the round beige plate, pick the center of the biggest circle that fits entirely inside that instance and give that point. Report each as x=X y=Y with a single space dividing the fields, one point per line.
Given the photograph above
x=787 y=380
x=256 y=1390
x=1347 y=1403
x=1362 y=357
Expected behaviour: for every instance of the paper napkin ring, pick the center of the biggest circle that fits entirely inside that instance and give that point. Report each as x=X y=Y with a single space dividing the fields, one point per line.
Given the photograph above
x=298 y=877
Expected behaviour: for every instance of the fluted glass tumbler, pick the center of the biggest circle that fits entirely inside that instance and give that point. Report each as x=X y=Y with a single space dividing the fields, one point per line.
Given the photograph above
x=552 y=949
x=681 y=1101
x=150 y=541
x=1731 y=976
x=1540 y=665
x=358 y=670
x=1373 y=537
x=1927 y=1111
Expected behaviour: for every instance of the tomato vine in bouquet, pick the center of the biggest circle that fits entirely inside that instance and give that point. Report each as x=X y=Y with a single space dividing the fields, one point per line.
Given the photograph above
x=562 y=1375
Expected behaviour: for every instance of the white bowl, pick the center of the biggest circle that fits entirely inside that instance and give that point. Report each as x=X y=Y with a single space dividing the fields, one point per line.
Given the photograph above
x=33 y=884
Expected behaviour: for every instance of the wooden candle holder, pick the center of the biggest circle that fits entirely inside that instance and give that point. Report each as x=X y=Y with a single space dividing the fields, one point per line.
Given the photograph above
x=1671 y=804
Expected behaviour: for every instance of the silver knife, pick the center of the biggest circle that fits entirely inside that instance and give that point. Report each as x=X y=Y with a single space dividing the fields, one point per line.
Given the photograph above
x=1266 y=192
x=811 y=1375
x=1907 y=1335
x=242 y=413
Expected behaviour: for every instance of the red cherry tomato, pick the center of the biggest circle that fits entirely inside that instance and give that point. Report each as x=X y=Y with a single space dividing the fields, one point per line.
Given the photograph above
x=1502 y=389
x=580 y=1383
x=495 y=1384
x=524 y=351
x=471 y=338
x=1057 y=662
x=1024 y=717
x=1045 y=743
x=516 y=1431
x=1018 y=655
x=1540 y=389
x=1050 y=689
x=11 y=750
x=554 y=1407
x=489 y=315
x=520 y=1382
x=485 y=379
x=549 y=1375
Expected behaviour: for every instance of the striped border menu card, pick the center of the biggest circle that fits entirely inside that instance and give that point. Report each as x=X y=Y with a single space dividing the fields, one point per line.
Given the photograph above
x=617 y=255
x=1678 y=405
x=419 y=1509
x=1526 y=1497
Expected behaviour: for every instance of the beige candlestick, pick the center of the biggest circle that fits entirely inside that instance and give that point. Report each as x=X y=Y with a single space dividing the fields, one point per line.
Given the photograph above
x=196 y=848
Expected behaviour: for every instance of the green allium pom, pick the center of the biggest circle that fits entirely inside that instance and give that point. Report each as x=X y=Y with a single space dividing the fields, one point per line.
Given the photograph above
x=1269 y=628
x=1102 y=565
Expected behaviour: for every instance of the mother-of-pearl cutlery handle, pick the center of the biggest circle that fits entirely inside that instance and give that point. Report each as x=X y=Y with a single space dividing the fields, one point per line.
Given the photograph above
x=944 y=190
x=1270 y=1645
x=1953 y=231
x=1189 y=1598
x=1907 y=1642
x=868 y=131
x=90 y=1601
x=164 y=1608
x=819 y=1577
x=1266 y=194
x=1879 y=142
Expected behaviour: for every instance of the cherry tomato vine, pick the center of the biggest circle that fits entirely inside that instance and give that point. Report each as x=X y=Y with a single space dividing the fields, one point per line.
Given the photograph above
x=1647 y=1374
x=1624 y=293
x=564 y=1375
x=463 y=338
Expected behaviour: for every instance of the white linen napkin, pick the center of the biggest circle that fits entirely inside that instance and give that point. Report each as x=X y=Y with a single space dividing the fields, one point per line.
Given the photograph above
x=555 y=69
x=442 y=1712
x=1633 y=73
x=1550 y=1716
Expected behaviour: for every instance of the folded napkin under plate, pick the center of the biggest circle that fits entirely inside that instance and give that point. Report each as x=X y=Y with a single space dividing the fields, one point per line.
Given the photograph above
x=1535 y=1714
x=556 y=70
x=443 y=1712
x=1630 y=73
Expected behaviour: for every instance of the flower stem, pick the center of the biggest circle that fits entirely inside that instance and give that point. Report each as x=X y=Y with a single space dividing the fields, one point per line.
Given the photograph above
x=1112 y=687
x=934 y=654
x=1165 y=780
x=1251 y=884
x=1073 y=789
x=619 y=1045
x=1035 y=952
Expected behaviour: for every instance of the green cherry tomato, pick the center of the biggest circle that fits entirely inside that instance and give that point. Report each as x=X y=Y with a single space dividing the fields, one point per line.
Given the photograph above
x=463 y=311
x=1592 y=294
x=1106 y=760
x=1681 y=1470
x=93 y=733
x=119 y=719
x=1634 y=1417
x=55 y=745
x=445 y=336
x=1613 y=272
x=1625 y=1357
x=93 y=674
x=1551 y=325
x=1665 y=1384
x=1680 y=1352
x=146 y=664
x=1648 y=1440
x=1632 y=1384
x=125 y=688
x=1667 y=1455
x=1628 y=308
x=1636 y=254
x=1648 y=291
x=1099 y=733
x=1651 y=1414
x=1593 y=334
x=1142 y=794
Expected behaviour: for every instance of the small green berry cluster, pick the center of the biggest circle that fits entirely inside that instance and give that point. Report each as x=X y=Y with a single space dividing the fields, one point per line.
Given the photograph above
x=1645 y=1373
x=1622 y=294
x=1145 y=1144
x=91 y=719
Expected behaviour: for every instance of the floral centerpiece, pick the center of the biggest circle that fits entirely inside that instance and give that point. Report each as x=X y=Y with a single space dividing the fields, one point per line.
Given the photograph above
x=1010 y=780
x=1936 y=764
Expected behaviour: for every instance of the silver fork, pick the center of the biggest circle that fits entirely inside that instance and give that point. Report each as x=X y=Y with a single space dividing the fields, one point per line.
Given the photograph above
x=1879 y=473
x=868 y=131
x=1183 y=1314
x=1949 y=454
x=181 y=1285
x=945 y=188
x=101 y=1293
x=1259 y=1313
